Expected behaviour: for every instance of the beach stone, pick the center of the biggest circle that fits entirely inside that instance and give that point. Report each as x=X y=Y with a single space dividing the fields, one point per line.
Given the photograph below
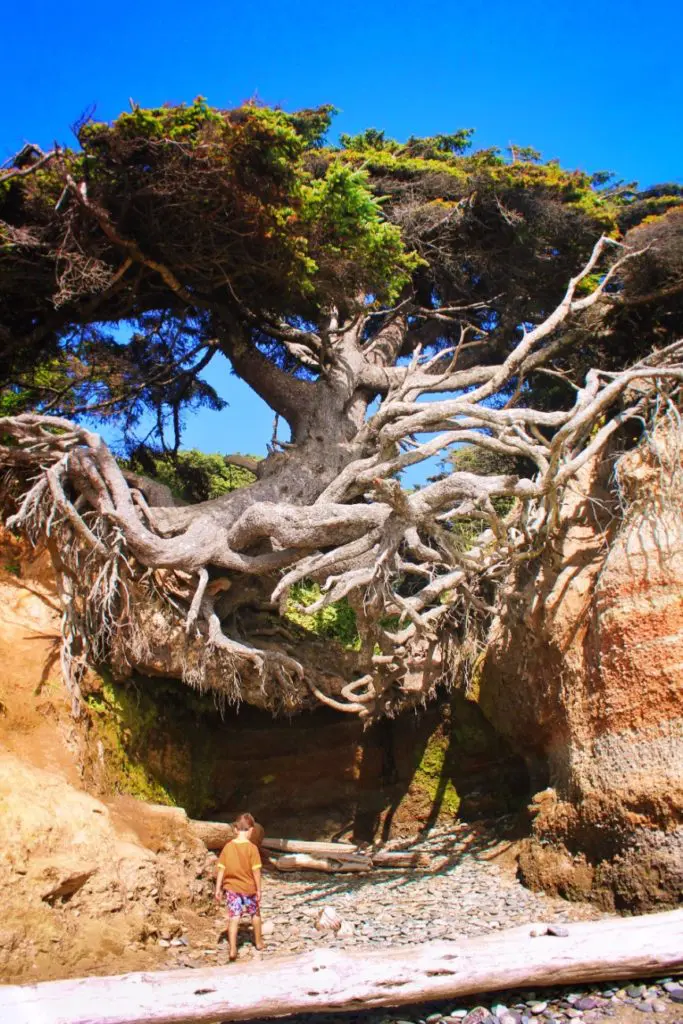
x=659 y=1006
x=645 y=1007
x=635 y=991
x=479 y=1015
x=537 y=1008
x=586 y=1003
x=676 y=995
x=559 y=930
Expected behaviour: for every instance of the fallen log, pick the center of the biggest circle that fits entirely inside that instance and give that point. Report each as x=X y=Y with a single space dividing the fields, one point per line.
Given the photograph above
x=305 y=862
x=339 y=850
x=214 y=834
x=399 y=859
x=360 y=979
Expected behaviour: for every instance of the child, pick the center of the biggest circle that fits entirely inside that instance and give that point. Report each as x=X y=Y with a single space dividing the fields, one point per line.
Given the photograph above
x=239 y=881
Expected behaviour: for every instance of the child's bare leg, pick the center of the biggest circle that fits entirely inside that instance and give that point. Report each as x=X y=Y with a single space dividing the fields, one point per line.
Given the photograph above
x=233 y=926
x=258 y=931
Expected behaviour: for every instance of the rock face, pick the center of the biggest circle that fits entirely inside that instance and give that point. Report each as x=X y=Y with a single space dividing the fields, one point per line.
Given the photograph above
x=584 y=675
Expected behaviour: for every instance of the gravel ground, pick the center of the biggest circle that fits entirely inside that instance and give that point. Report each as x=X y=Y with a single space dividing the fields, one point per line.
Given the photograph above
x=471 y=889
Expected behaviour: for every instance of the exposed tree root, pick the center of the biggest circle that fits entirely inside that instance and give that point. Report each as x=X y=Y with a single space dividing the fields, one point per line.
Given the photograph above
x=140 y=580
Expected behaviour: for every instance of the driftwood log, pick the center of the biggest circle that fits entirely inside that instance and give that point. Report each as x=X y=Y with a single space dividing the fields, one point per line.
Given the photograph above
x=214 y=834
x=329 y=980
x=305 y=862
x=399 y=859
x=321 y=856
x=337 y=850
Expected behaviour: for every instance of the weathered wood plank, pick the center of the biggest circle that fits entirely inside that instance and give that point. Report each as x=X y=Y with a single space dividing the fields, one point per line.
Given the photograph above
x=359 y=979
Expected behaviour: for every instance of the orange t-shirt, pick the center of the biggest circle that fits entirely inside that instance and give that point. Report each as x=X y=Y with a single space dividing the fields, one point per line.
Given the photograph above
x=240 y=858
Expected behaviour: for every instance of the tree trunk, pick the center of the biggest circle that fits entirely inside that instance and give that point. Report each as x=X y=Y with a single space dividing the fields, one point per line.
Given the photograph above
x=330 y=980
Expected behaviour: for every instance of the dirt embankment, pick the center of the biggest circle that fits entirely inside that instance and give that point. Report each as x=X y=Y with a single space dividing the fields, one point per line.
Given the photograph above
x=84 y=882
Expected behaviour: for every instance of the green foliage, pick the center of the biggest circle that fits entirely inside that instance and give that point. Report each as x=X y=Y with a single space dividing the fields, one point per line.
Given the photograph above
x=313 y=125
x=192 y=476
x=46 y=379
x=371 y=138
x=342 y=208
x=525 y=154
x=439 y=147
x=187 y=219
x=337 y=621
x=436 y=147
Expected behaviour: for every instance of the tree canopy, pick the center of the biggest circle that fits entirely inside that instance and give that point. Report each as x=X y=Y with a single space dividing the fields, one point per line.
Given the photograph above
x=331 y=277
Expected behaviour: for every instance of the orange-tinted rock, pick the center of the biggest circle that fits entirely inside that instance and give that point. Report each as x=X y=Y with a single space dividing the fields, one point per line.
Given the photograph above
x=585 y=676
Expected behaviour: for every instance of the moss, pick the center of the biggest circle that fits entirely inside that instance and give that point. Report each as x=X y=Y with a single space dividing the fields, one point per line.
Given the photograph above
x=121 y=727
x=139 y=726
x=473 y=690
x=432 y=775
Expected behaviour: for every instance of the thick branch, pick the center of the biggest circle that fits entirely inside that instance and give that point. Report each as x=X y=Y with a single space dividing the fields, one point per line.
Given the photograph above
x=286 y=395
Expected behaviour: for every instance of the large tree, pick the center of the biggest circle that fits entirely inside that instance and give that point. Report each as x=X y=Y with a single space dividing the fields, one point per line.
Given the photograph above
x=390 y=302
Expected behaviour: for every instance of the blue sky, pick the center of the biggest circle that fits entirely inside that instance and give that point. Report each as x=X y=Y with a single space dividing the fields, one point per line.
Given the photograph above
x=599 y=86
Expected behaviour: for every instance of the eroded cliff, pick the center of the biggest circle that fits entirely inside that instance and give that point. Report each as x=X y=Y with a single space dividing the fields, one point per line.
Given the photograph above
x=584 y=675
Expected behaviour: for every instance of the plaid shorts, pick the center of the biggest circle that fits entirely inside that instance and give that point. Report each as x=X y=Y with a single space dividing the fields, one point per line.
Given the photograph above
x=237 y=904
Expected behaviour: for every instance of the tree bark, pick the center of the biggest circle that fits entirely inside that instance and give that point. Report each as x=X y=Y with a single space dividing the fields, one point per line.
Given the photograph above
x=330 y=980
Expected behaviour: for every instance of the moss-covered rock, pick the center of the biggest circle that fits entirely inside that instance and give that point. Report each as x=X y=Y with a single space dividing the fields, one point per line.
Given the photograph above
x=150 y=742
